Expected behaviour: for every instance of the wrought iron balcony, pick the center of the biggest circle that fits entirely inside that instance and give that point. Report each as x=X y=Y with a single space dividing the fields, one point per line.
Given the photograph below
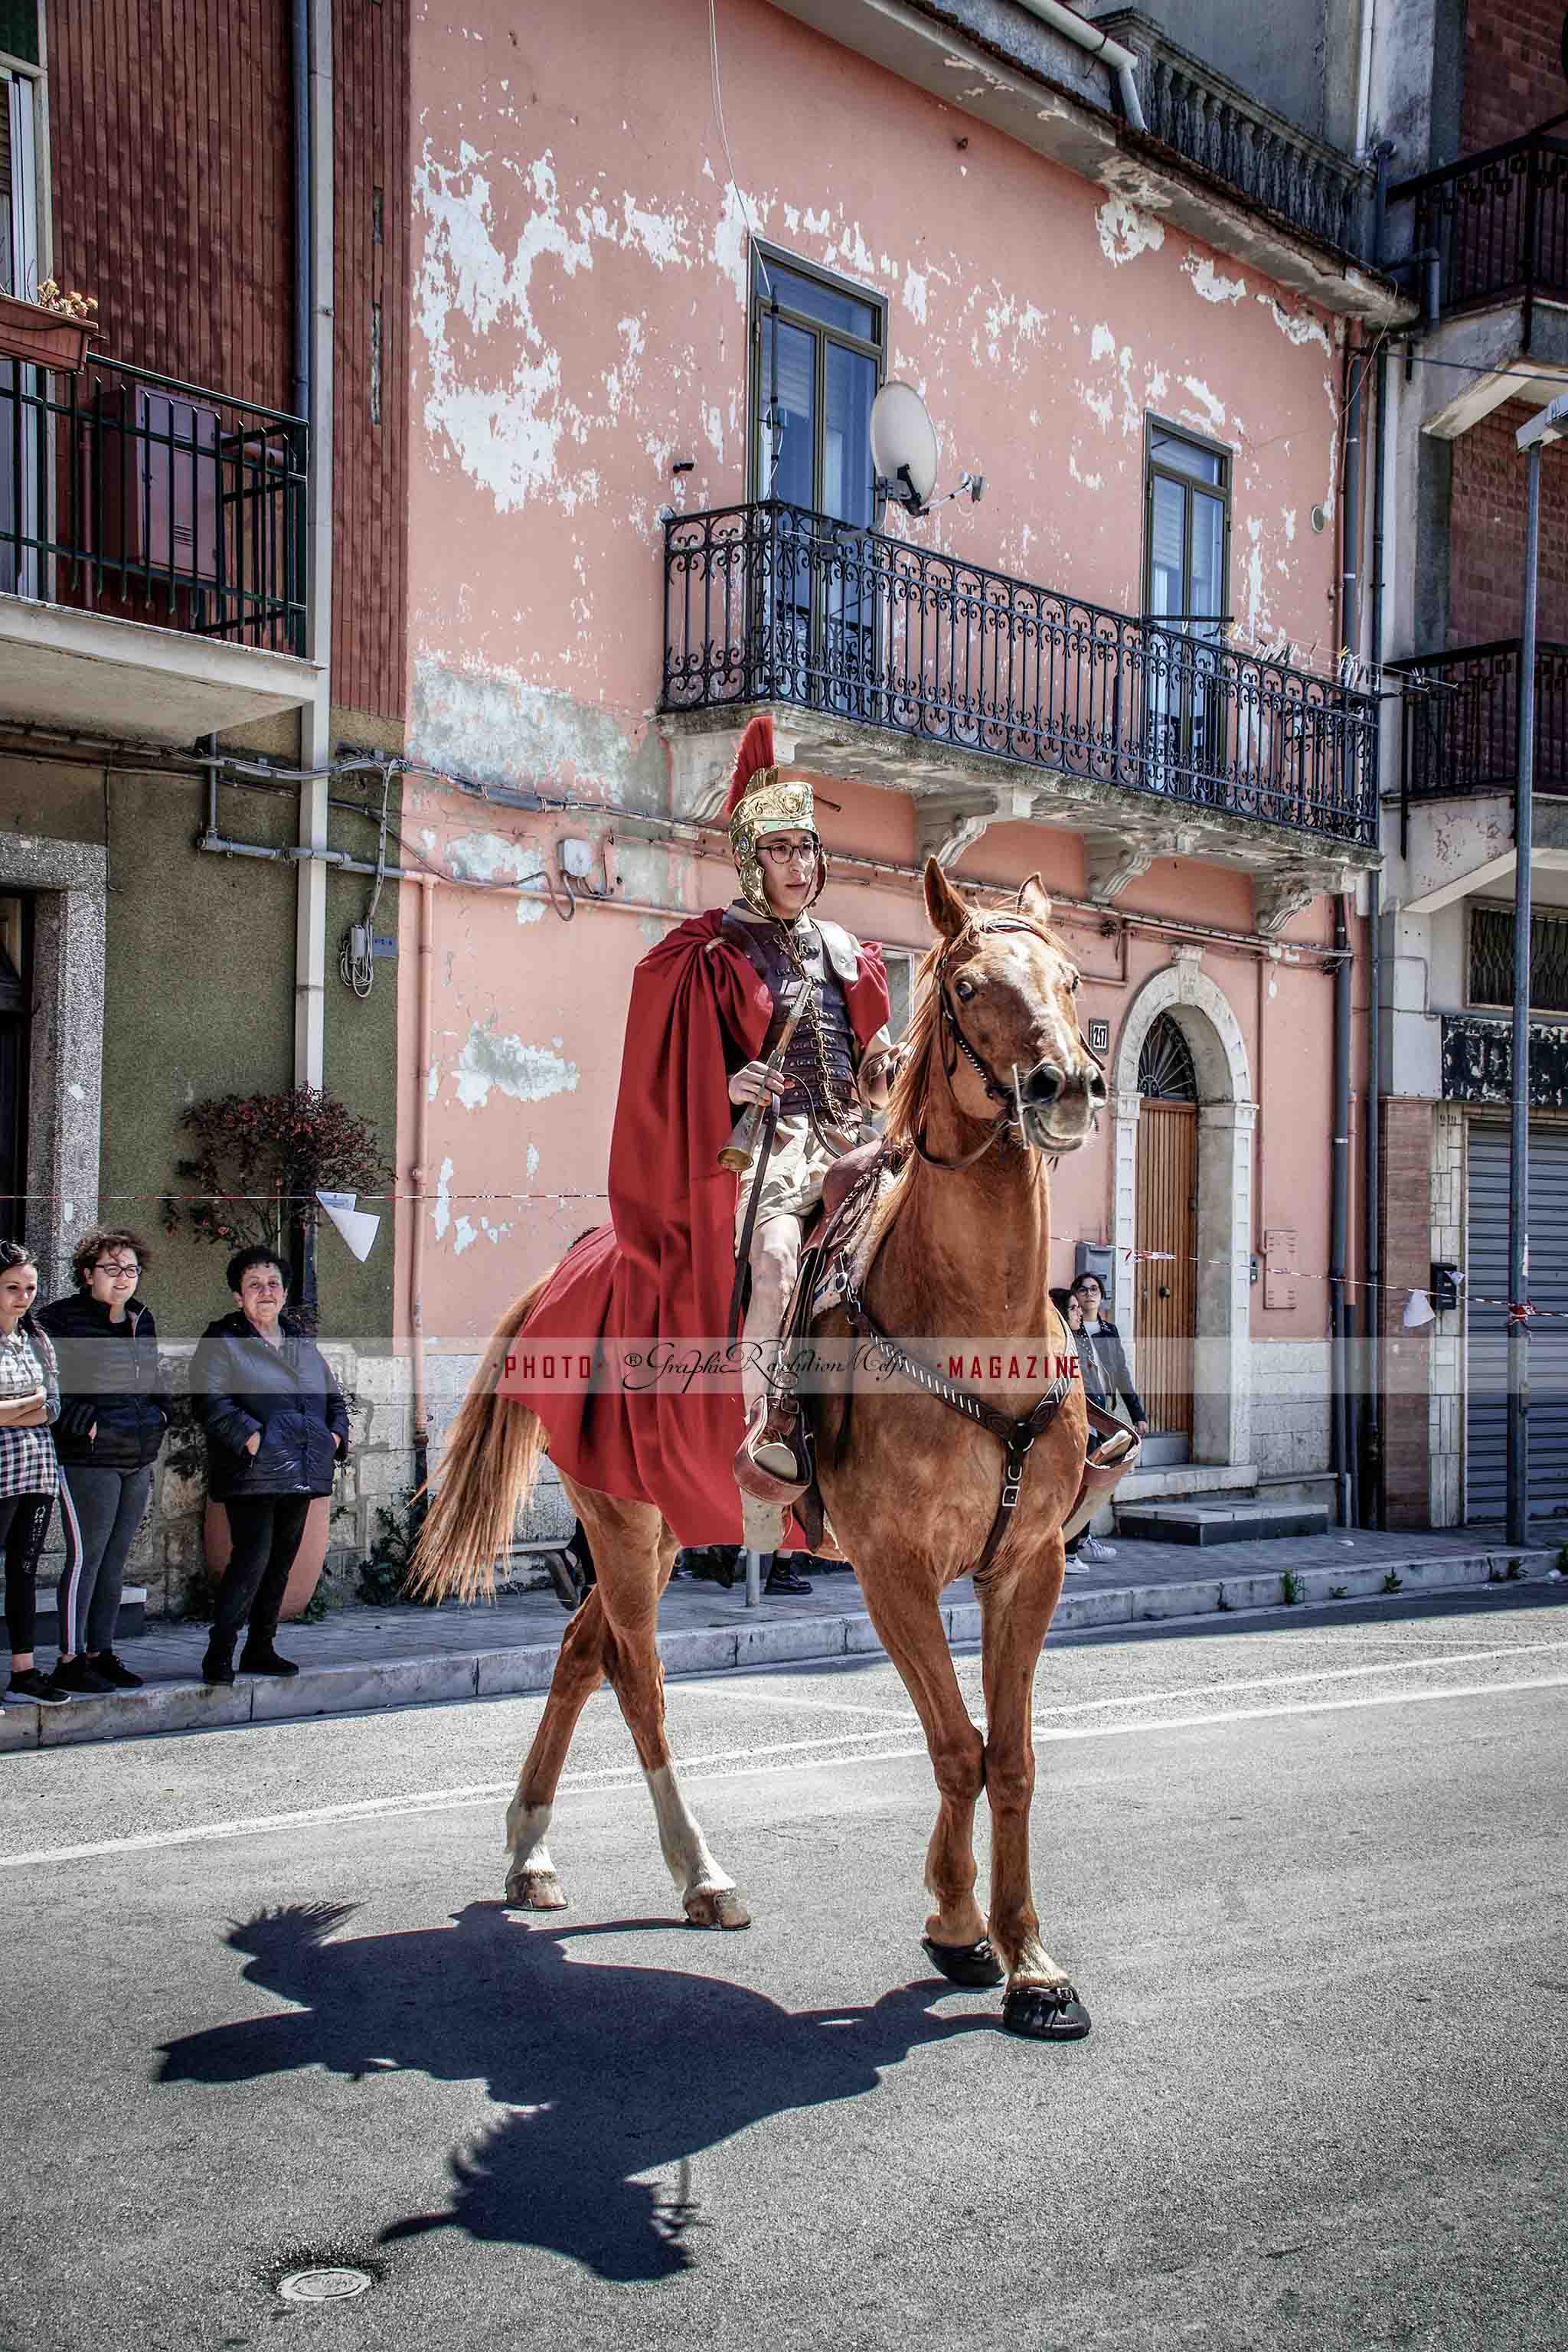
x=770 y=603
x=1461 y=722
x=1497 y=222
x=1214 y=125
x=148 y=499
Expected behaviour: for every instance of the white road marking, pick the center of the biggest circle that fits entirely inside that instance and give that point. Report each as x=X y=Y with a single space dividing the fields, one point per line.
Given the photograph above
x=433 y=1800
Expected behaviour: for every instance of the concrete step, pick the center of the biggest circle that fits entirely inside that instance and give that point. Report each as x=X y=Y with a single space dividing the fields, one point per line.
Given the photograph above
x=1220 y=1523
x=1182 y=1480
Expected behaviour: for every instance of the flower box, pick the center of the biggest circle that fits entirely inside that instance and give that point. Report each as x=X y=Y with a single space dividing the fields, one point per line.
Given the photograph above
x=41 y=337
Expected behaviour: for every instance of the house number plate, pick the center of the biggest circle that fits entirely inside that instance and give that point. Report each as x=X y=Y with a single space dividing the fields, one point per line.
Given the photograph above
x=1100 y=1037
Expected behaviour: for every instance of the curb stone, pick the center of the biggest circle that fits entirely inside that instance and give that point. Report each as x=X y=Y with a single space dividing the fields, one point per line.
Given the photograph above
x=371 y=1687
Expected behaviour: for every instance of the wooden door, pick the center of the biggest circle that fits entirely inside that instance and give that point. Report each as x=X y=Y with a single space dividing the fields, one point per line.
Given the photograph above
x=1167 y=1281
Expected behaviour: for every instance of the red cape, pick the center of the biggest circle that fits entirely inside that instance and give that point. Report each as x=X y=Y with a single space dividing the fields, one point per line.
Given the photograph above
x=662 y=1271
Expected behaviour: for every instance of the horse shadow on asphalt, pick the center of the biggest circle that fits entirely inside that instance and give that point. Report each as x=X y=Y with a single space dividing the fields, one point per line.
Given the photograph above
x=609 y=2071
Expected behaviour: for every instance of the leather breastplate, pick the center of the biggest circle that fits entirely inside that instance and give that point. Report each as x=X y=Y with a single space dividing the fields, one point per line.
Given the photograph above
x=828 y=1042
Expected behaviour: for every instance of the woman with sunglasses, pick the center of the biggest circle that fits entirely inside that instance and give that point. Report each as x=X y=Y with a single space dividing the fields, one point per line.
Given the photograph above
x=114 y=1416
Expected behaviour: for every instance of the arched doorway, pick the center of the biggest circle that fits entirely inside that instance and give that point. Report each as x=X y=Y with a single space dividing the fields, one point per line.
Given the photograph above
x=1165 y=1279
x=1201 y=1135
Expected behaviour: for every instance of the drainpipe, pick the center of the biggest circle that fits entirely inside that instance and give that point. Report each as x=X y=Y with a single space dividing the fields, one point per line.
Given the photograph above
x=1375 y=1499
x=311 y=37
x=418 y=1176
x=1339 y=1208
x=1122 y=62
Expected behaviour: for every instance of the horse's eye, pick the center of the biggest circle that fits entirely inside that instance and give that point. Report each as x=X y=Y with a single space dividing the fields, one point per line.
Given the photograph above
x=1076 y=979
x=963 y=990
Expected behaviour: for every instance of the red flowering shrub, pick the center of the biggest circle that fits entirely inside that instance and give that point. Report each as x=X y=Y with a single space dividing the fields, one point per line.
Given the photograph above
x=260 y=1161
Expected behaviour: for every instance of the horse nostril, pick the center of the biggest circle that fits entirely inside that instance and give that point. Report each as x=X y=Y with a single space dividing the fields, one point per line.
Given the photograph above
x=1044 y=1083
x=1095 y=1087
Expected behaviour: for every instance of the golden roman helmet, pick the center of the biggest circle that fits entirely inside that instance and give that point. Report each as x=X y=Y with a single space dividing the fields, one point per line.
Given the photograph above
x=762 y=801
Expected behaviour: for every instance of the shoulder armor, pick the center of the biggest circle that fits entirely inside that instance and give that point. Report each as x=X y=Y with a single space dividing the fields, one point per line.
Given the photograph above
x=842 y=948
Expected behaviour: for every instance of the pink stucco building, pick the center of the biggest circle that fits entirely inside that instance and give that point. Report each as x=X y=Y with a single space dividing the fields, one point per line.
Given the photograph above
x=643 y=506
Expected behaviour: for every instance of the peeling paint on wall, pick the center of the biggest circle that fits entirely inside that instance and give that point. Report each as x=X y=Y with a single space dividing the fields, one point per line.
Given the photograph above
x=527 y=1073
x=1296 y=326
x=1210 y=410
x=441 y=1216
x=1125 y=232
x=1207 y=281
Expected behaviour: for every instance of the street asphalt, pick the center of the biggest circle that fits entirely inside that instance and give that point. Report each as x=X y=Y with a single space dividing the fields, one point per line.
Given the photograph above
x=264 y=2010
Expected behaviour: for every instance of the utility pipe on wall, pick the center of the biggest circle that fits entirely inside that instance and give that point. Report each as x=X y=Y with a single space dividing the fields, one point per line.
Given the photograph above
x=311 y=25
x=418 y=1173
x=1123 y=61
x=1374 y=1499
x=1339 y=1217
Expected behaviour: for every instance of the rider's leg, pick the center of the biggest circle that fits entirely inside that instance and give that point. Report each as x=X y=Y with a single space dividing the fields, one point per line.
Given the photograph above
x=776 y=1256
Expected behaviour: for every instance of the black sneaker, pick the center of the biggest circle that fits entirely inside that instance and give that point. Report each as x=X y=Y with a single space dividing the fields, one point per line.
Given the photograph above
x=31 y=1684
x=264 y=1660
x=115 y=1670
x=78 y=1676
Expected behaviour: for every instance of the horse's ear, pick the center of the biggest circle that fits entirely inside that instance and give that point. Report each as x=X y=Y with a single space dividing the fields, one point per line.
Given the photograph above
x=947 y=911
x=1032 y=901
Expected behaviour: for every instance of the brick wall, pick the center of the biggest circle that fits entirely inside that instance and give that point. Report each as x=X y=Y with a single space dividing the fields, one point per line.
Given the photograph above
x=1486 y=534
x=1514 y=78
x=1406 y=1193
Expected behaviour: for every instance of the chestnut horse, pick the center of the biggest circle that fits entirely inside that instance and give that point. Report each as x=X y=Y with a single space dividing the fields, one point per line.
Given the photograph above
x=995 y=1079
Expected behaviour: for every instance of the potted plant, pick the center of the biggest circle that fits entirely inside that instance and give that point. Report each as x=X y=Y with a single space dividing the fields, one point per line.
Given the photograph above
x=53 y=331
x=258 y=1163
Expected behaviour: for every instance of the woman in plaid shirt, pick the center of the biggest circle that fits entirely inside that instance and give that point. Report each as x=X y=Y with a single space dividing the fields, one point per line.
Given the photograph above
x=29 y=1475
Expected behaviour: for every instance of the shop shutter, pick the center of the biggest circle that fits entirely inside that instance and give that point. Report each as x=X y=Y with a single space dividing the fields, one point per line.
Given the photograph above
x=1485 y=1416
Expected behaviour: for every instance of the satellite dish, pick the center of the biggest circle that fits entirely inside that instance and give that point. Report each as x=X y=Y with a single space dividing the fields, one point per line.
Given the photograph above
x=904 y=446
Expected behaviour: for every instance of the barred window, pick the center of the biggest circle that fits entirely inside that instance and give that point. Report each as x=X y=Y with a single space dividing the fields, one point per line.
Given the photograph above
x=1491 y=959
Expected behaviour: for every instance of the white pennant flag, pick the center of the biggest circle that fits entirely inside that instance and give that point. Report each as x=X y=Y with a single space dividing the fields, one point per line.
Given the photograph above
x=358 y=1227
x=1418 y=1311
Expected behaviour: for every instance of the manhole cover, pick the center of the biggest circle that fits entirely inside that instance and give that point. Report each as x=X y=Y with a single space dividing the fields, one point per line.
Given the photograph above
x=323 y=2285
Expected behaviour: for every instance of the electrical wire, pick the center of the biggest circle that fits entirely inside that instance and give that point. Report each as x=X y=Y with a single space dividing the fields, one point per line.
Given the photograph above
x=356 y=952
x=724 y=139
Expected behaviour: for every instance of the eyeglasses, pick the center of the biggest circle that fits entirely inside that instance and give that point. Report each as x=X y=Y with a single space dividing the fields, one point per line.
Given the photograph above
x=789 y=853
x=117 y=1265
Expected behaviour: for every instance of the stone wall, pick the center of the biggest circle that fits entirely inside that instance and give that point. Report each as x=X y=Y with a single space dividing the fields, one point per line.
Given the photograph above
x=1292 y=1381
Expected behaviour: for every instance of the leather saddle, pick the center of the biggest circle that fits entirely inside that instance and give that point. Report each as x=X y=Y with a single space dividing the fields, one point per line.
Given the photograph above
x=850 y=1191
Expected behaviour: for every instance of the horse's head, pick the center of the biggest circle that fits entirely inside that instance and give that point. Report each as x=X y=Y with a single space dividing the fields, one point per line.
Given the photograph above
x=1004 y=1019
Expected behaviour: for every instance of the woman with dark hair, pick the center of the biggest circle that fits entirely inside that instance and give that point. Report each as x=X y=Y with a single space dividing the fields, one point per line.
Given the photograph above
x=29 y=1472
x=1084 y=1546
x=277 y=1429
x=113 y=1417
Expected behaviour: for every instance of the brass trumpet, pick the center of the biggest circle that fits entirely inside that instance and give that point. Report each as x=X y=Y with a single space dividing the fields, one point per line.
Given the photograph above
x=737 y=1153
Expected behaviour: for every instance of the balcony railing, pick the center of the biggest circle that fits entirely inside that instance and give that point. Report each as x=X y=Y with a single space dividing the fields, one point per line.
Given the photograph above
x=1215 y=125
x=770 y=603
x=154 y=500
x=1497 y=222
x=1461 y=722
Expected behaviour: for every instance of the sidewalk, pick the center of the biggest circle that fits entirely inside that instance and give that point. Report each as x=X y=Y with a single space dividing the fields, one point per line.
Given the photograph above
x=361 y=1659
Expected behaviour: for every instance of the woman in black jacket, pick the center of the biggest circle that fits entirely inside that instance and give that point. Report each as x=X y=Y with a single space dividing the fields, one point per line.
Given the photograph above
x=277 y=1430
x=113 y=1414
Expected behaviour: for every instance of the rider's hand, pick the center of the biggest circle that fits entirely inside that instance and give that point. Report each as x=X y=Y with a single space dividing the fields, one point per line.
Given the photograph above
x=756 y=1082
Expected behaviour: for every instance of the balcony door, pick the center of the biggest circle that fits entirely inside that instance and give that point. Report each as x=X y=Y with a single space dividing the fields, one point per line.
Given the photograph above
x=18 y=275
x=1186 y=566
x=817 y=347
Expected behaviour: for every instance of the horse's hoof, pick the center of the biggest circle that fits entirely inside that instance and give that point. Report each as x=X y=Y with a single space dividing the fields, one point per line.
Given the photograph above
x=966 y=1964
x=534 y=1890
x=1044 y=2013
x=717 y=1906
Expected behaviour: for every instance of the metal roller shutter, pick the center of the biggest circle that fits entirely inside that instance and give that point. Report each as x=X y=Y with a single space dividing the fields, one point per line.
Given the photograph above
x=1486 y=1415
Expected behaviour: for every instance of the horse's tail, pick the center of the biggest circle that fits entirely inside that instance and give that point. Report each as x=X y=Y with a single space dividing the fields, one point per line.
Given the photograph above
x=488 y=1472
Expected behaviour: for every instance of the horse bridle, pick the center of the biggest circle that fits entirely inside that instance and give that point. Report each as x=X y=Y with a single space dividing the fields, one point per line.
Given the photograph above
x=1009 y=1115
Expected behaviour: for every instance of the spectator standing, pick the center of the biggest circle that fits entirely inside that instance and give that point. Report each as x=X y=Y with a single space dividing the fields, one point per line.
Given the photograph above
x=30 y=1472
x=113 y=1417
x=277 y=1430
x=1084 y=1546
x=1101 y=1340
